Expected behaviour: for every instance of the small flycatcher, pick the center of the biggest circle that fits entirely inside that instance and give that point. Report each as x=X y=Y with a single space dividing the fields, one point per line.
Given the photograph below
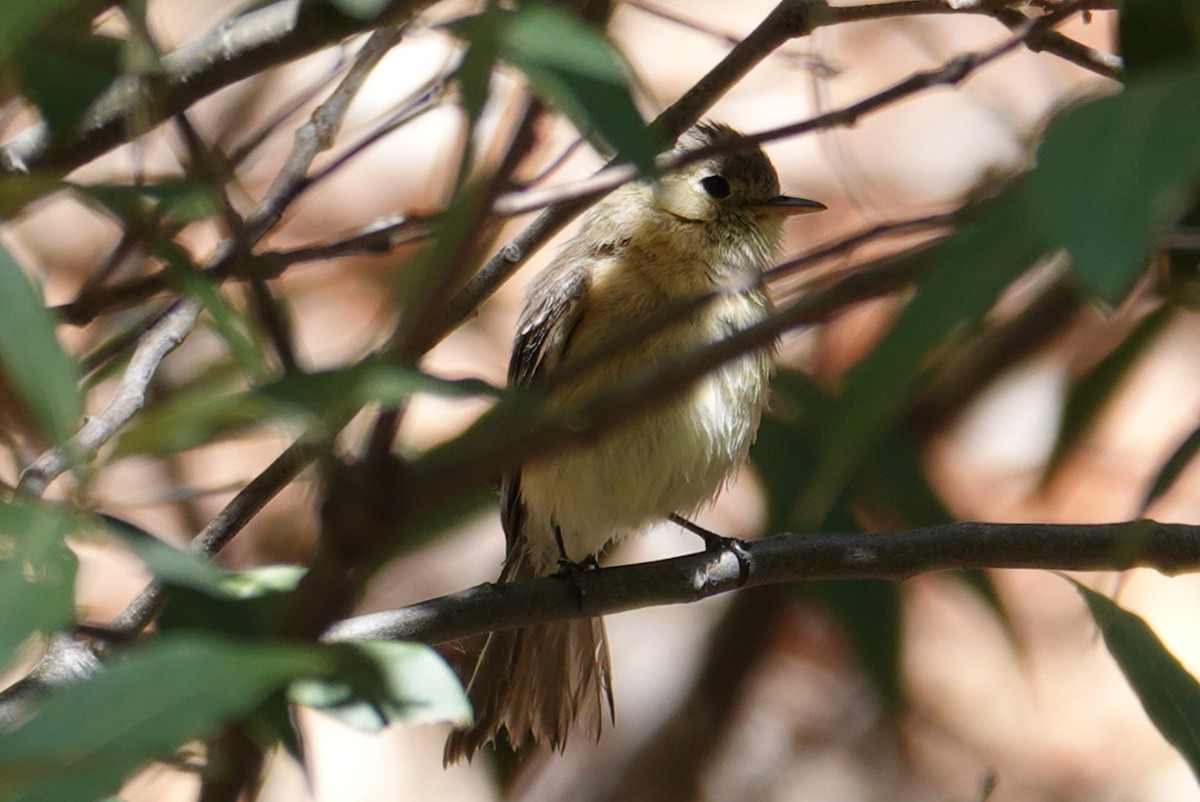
x=712 y=227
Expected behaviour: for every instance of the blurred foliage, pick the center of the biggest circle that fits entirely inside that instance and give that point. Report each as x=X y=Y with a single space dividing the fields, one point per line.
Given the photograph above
x=1113 y=177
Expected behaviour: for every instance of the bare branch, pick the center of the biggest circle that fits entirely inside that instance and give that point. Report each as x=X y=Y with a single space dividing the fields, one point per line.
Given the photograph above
x=1170 y=548
x=240 y=48
x=159 y=340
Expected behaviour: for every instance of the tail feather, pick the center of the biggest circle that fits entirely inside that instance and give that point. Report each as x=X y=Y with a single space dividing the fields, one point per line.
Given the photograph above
x=536 y=683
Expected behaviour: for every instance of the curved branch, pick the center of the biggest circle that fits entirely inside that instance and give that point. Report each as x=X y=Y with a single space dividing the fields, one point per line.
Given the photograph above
x=1170 y=548
x=240 y=48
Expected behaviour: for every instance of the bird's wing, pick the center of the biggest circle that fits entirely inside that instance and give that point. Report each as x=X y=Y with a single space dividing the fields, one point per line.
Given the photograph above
x=553 y=310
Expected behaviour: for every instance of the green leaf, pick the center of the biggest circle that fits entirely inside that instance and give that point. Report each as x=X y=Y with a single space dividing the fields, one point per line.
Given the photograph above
x=1169 y=694
x=382 y=682
x=322 y=393
x=244 y=603
x=1170 y=471
x=364 y=10
x=784 y=453
x=574 y=68
x=1114 y=172
x=870 y=615
x=85 y=739
x=170 y=566
x=1154 y=33
x=37 y=574
x=64 y=74
x=177 y=201
x=1090 y=395
x=228 y=321
x=18 y=190
x=43 y=377
x=24 y=18
x=191 y=419
x=966 y=275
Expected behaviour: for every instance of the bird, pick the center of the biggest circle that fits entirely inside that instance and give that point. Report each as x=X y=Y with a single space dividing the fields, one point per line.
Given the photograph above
x=706 y=231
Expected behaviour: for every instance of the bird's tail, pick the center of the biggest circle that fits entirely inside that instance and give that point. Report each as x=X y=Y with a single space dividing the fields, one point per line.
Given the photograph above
x=537 y=683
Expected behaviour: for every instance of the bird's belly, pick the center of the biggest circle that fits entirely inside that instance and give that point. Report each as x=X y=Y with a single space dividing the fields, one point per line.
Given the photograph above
x=672 y=459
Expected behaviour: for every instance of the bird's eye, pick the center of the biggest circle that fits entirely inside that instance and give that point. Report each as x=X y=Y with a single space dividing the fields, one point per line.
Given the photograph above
x=716 y=186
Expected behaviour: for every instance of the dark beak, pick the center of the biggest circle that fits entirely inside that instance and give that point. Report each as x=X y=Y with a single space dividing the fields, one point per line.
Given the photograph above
x=787 y=205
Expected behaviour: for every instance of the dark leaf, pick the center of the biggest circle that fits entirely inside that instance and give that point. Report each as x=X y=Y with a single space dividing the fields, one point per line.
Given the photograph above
x=575 y=69
x=1170 y=471
x=1156 y=33
x=1113 y=172
x=967 y=273
x=1091 y=394
x=65 y=75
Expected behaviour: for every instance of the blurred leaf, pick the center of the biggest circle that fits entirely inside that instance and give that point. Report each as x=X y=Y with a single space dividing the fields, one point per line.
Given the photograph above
x=170 y=565
x=228 y=321
x=1092 y=392
x=967 y=273
x=382 y=682
x=1169 y=694
x=177 y=201
x=365 y=10
x=18 y=190
x=347 y=389
x=893 y=487
x=1170 y=471
x=37 y=574
x=208 y=411
x=244 y=603
x=272 y=723
x=64 y=73
x=870 y=614
x=575 y=69
x=85 y=739
x=24 y=18
x=191 y=419
x=1113 y=172
x=39 y=372
x=1154 y=33
x=784 y=453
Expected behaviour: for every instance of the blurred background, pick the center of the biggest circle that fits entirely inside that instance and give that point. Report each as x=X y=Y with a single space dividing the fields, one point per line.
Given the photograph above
x=761 y=695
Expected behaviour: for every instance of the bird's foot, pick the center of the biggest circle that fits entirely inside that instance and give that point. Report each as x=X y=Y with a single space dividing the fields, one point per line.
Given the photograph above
x=719 y=543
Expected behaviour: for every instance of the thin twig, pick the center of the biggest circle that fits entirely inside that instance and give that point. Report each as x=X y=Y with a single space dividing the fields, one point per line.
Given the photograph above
x=159 y=340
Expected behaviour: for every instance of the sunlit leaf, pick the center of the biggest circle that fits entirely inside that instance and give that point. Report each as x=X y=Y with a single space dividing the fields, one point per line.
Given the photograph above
x=86 y=739
x=1169 y=694
x=37 y=573
x=45 y=379
x=382 y=682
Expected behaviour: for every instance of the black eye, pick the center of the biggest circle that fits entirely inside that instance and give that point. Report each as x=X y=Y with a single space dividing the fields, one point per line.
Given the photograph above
x=716 y=186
